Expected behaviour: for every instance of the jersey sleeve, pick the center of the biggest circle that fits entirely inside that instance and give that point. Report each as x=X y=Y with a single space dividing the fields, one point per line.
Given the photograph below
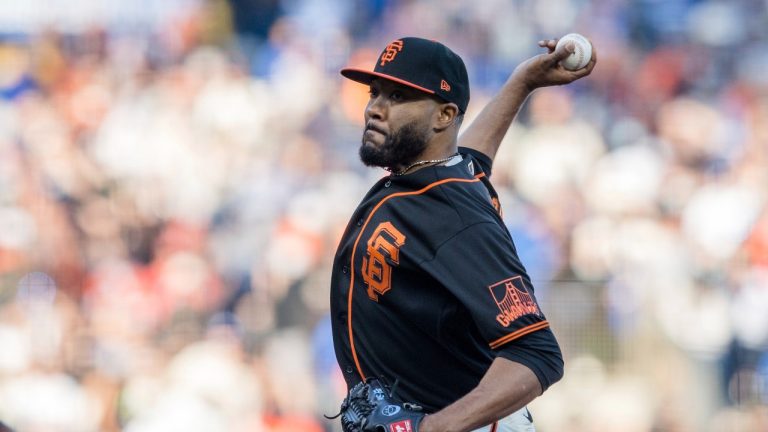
x=540 y=352
x=480 y=268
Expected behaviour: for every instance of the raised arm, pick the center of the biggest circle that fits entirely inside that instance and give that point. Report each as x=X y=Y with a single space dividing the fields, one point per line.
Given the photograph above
x=488 y=129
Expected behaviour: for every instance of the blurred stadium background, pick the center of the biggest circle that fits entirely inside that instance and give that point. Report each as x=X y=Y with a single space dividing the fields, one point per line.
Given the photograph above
x=174 y=176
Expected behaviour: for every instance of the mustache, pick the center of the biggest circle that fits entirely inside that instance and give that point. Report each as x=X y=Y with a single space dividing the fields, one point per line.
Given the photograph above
x=373 y=127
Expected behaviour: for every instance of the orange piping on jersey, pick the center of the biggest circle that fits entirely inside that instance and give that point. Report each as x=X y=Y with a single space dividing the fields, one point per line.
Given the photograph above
x=519 y=333
x=354 y=248
x=494 y=201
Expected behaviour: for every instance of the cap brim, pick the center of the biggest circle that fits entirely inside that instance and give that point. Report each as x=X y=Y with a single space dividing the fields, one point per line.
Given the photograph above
x=365 y=77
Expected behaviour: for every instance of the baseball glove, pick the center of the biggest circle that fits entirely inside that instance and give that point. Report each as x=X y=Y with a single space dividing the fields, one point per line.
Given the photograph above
x=371 y=406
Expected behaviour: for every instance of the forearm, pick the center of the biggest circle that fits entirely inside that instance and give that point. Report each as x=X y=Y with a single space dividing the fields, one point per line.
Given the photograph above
x=505 y=388
x=488 y=129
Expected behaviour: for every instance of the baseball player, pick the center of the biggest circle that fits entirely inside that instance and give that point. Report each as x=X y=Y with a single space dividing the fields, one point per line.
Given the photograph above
x=430 y=303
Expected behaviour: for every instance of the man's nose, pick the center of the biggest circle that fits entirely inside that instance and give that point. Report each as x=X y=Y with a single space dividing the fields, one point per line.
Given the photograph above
x=375 y=109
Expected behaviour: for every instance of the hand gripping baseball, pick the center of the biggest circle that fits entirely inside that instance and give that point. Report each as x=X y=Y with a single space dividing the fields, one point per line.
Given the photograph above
x=547 y=70
x=371 y=406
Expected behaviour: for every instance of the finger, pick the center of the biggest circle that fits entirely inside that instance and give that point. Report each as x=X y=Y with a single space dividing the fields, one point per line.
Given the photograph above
x=549 y=44
x=586 y=70
x=556 y=54
x=564 y=51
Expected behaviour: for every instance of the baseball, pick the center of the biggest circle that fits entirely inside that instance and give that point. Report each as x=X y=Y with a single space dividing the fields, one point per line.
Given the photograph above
x=581 y=54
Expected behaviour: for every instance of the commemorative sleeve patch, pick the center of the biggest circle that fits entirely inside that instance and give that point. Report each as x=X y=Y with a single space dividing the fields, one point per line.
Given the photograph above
x=514 y=300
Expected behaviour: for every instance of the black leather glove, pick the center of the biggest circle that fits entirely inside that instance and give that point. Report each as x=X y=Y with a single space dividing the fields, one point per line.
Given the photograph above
x=371 y=406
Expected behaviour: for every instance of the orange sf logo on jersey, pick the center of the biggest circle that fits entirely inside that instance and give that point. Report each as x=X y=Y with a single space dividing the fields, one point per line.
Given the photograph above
x=385 y=241
x=391 y=51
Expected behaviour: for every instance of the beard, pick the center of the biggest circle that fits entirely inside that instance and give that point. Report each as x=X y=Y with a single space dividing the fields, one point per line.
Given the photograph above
x=398 y=150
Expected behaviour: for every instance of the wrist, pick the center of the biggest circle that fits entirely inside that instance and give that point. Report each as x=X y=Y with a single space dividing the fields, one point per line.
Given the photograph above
x=426 y=424
x=431 y=423
x=521 y=84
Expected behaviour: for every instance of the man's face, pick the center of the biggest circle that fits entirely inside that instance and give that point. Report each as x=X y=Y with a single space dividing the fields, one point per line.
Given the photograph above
x=397 y=128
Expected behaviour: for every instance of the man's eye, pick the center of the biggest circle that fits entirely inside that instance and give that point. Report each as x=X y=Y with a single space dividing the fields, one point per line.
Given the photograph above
x=373 y=92
x=396 y=96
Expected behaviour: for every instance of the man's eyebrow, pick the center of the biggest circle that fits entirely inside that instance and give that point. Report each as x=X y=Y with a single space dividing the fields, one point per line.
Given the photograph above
x=407 y=91
x=412 y=92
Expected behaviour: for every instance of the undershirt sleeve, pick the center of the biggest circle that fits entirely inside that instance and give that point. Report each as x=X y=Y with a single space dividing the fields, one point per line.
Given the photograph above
x=482 y=159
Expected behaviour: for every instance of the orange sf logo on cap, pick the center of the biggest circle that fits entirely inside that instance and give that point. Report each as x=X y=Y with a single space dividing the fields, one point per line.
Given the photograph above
x=391 y=51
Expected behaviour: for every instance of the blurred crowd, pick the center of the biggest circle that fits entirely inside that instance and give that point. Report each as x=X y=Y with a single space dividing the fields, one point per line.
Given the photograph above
x=173 y=182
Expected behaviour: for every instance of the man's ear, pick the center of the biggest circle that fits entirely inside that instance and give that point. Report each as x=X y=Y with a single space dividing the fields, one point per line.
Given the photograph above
x=446 y=116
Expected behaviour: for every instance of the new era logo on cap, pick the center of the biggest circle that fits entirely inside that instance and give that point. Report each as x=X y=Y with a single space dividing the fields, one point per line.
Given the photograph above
x=423 y=64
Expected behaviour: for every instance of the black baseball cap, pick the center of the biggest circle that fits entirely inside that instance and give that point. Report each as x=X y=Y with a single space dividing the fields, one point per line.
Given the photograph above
x=423 y=64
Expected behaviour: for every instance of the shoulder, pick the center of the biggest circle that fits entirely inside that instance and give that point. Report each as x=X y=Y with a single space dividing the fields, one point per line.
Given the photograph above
x=484 y=163
x=473 y=199
x=457 y=192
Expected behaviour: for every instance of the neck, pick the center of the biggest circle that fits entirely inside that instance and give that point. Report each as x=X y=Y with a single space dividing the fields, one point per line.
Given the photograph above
x=441 y=146
x=437 y=149
x=419 y=164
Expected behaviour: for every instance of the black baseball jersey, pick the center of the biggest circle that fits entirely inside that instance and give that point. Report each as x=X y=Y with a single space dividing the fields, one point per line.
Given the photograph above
x=427 y=287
